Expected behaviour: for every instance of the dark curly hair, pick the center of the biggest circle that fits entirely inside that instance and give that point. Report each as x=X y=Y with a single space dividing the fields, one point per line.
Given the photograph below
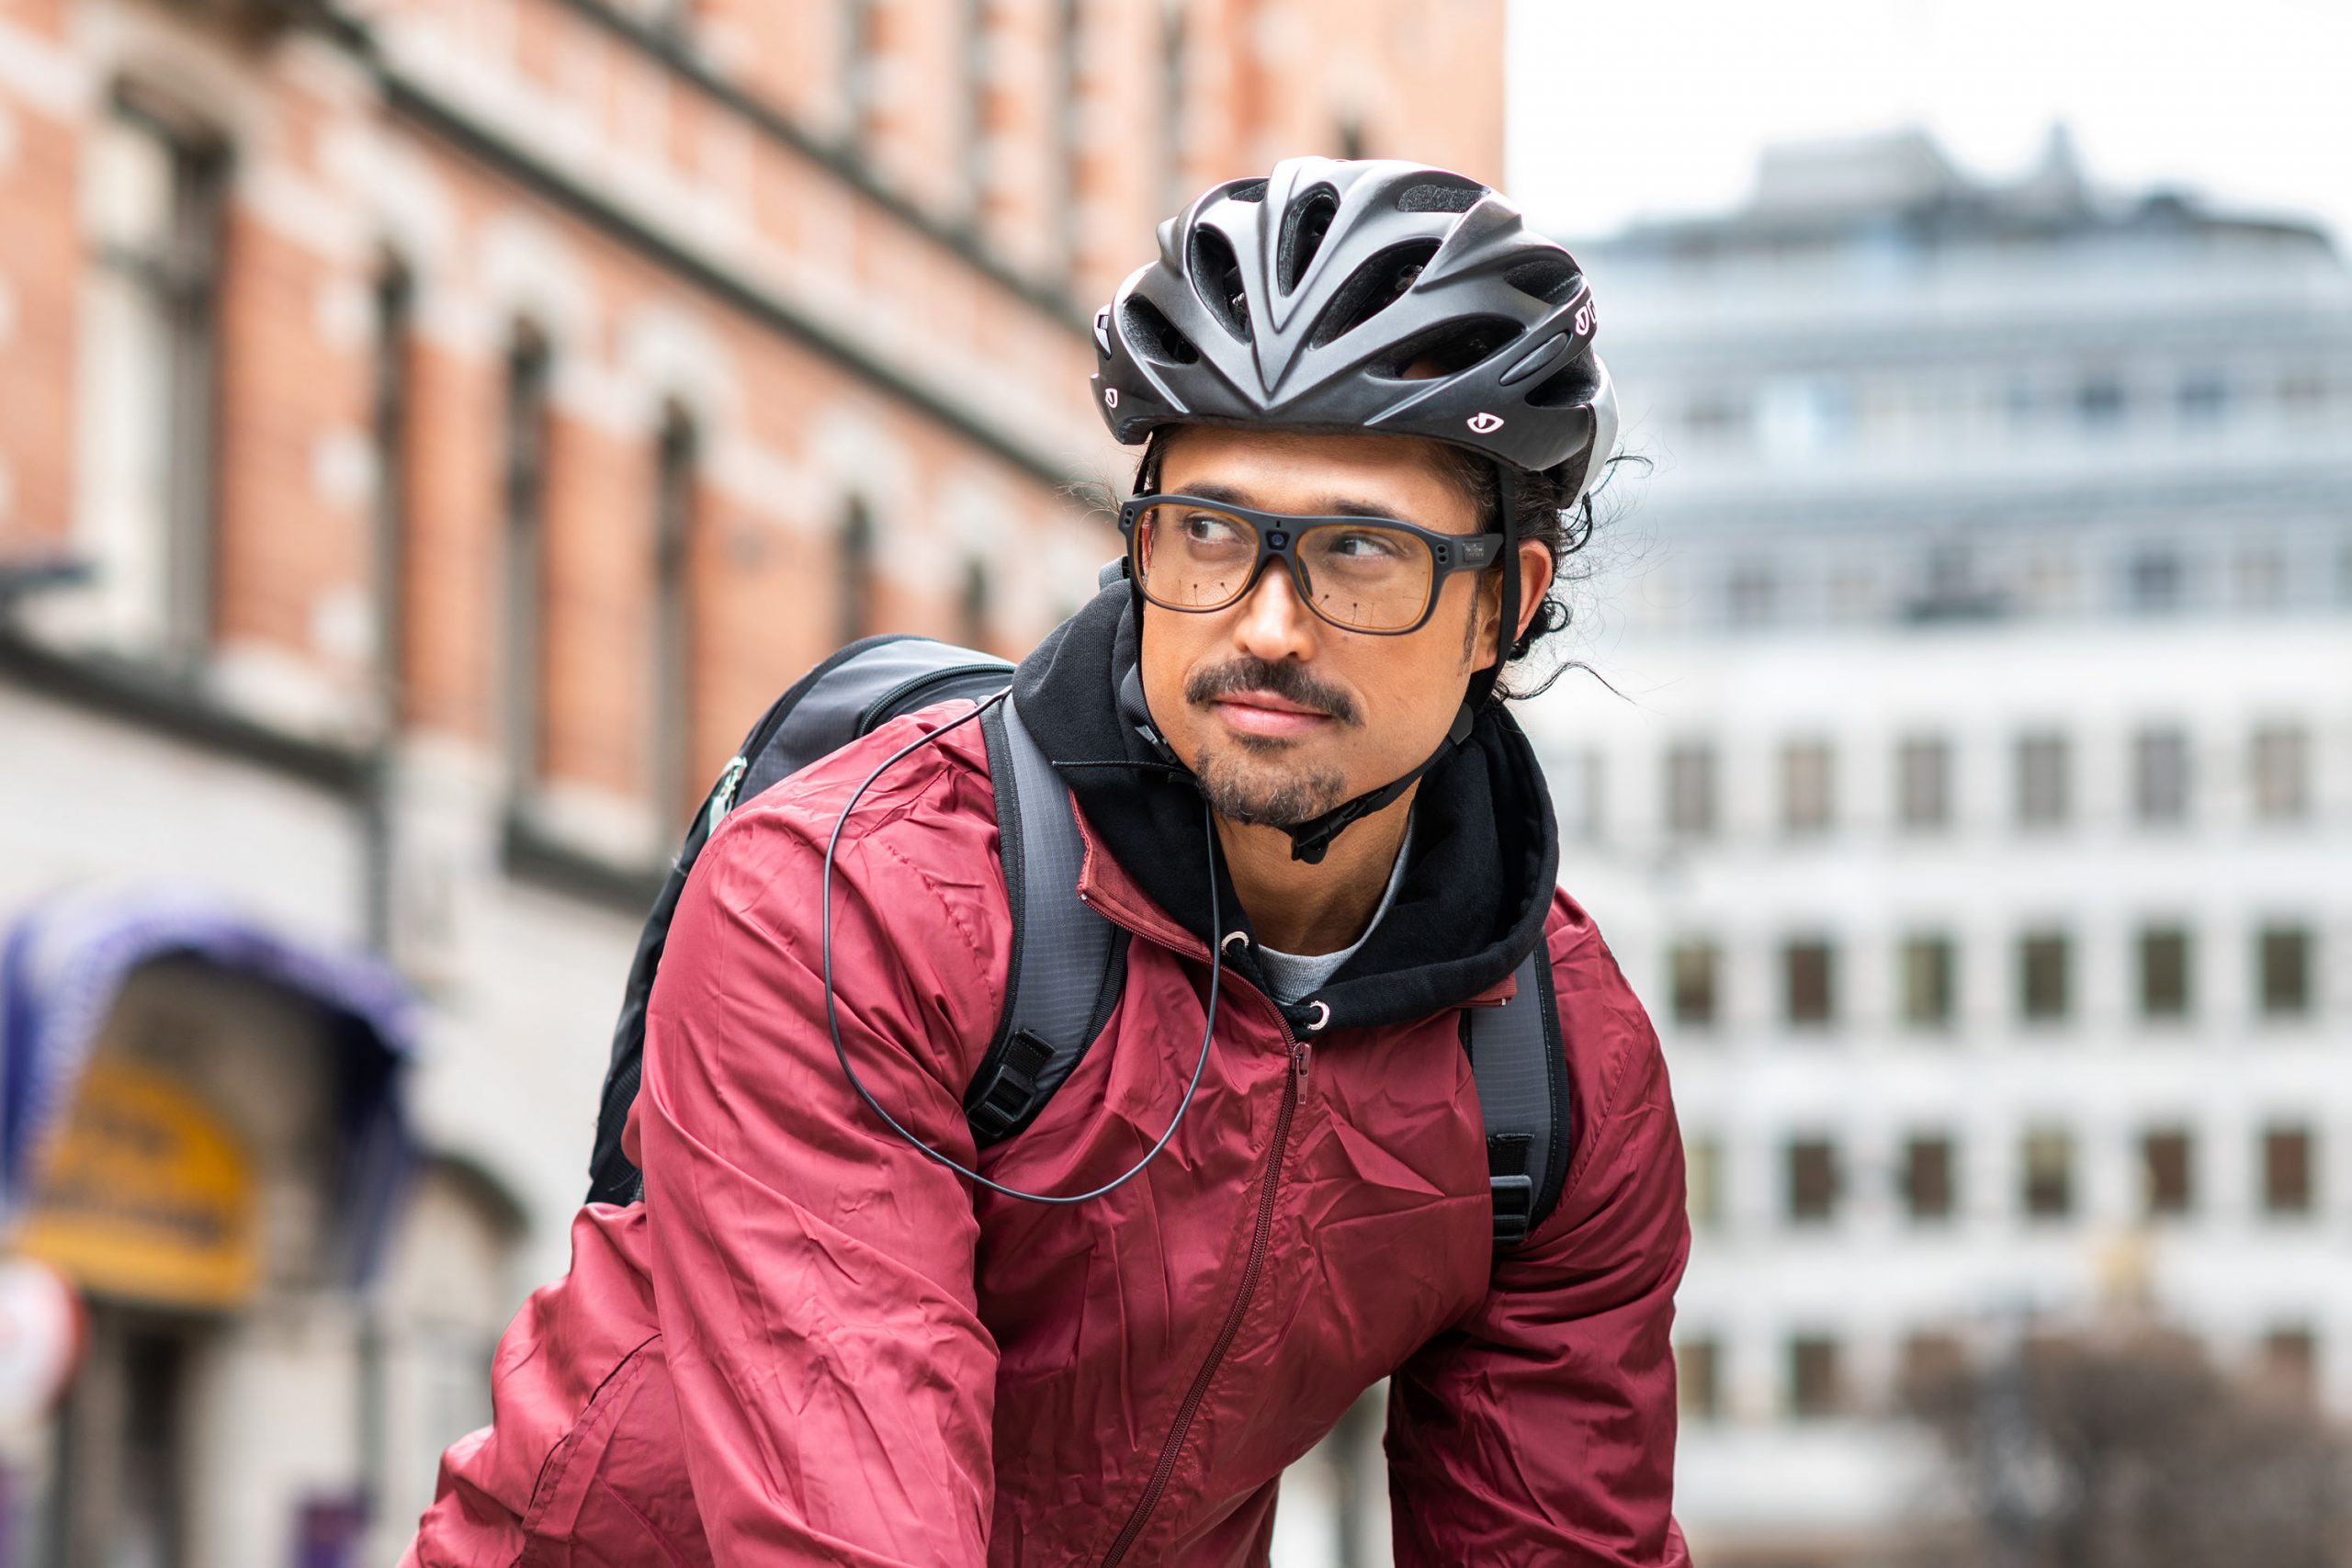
x=1544 y=514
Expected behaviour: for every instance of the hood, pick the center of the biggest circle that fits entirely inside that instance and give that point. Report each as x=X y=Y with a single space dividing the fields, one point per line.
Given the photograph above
x=1484 y=852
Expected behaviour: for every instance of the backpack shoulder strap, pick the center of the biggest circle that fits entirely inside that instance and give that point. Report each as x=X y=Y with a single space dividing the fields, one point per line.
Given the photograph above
x=1515 y=1055
x=1068 y=963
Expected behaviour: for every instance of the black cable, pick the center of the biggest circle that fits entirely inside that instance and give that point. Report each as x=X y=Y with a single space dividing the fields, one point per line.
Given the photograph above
x=832 y=1013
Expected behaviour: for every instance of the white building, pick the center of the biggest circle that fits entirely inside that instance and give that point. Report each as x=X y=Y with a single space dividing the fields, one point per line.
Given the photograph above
x=1976 y=814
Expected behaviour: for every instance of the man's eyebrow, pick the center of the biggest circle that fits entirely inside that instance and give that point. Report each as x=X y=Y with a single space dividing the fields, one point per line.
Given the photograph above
x=1342 y=506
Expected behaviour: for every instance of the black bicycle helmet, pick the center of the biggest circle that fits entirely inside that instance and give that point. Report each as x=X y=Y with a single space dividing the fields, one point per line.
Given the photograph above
x=1367 y=295
x=1301 y=301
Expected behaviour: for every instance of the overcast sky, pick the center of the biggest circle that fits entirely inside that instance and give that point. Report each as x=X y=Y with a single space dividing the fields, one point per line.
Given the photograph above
x=1649 y=106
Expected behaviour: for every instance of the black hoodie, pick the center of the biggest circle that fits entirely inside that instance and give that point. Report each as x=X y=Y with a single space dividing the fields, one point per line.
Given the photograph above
x=1486 y=851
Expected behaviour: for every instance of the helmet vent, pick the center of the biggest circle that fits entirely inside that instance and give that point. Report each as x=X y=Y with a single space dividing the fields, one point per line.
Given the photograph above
x=1304 y=226
x=1571 y=385
x=1429 y=196
x=1254 y=190
x=1375 y=285
x=1553 y=279
x=1450 y=348
x=1155 y=336
x=1217 y=278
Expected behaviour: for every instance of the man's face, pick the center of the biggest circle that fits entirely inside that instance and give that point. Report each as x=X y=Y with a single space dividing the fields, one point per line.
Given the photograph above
x=1280 y=714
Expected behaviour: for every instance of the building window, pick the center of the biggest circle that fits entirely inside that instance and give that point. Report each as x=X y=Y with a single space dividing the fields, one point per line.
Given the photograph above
x=2283 y=965
x=1923 y=782
x=157 y=197
x=1931 y=1363
x=1576 y=779
x=2044 y=797
x=389 y=423
x=1808 y=981
x=2290 y=1363
x=1928 y=1186
x=1691 y=789
x=2281 y=761
x=671 y=733
x=1812 y=1182
x=2049 y=1173
x=2044 y=978
x=1703 y=1173
x=526 y=436
x=1069 y=142
x=2164 y=956
x=1698 y=1378
x=1749 y=594
x=1816 y=1383
x=2287 y=1158
x=2153 y=580
x=1807 y=787
x=853 y=585
x=2099 y=401
x=2260 y=578
x=980 y=54
x=861 y=66
x=1930 y=981
x=2169 y=1172
x=1693 y=971
x=1174 y=104
x=2160 y=776
x=974 y=606
x=2203 y=396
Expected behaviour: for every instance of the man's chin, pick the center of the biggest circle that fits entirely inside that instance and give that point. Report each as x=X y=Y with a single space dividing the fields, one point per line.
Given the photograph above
x=1243 y=788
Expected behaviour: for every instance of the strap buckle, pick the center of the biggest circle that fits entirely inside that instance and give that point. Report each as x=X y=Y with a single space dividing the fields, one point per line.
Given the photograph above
x=1514 y=1206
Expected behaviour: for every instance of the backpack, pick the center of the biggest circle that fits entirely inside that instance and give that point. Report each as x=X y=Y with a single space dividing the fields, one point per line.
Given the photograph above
x=1068 y=963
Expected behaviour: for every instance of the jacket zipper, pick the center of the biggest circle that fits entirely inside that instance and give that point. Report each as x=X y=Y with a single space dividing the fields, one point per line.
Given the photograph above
x=1293 y=1087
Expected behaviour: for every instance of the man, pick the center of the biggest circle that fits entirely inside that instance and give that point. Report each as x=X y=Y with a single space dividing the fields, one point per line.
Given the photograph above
x=1374 y=413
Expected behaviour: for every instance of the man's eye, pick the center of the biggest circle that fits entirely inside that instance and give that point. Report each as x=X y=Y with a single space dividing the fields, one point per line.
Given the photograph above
x=1204 y=528
x=1363 y=545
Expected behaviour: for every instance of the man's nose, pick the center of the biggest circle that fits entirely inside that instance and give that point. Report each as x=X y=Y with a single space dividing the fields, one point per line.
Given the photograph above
x=1274 y=621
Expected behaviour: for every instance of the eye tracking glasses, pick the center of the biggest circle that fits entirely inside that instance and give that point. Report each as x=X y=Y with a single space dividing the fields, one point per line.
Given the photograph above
x=1361 y=574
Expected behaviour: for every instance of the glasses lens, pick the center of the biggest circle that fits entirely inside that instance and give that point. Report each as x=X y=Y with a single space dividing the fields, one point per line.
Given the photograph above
x=1193 y=558
x=1367 y=577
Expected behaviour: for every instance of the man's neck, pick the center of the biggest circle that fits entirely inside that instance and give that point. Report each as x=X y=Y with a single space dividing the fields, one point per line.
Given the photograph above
x=1308 y=909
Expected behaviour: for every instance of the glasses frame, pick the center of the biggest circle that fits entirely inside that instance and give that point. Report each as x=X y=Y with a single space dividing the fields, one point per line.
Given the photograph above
x=1449 y=554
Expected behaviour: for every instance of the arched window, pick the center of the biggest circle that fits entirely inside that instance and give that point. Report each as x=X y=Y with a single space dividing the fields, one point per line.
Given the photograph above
x=670 y=738
x=158 y=191
x=525 y=505
x=1069 y=139
x=855 y=583
x=1174 y=76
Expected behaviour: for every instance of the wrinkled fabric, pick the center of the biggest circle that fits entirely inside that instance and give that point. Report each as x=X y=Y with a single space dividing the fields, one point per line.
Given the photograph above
x=812 y=1344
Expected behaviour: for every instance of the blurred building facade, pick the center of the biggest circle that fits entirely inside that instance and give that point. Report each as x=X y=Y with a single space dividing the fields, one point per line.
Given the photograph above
x=1975 y=813
x=430 y=431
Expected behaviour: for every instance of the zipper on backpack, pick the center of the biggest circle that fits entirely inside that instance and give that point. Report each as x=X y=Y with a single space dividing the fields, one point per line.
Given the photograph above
x=1261 y=1242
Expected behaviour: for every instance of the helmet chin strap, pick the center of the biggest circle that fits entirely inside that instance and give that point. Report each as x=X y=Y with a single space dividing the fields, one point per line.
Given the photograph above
x=1311 y=839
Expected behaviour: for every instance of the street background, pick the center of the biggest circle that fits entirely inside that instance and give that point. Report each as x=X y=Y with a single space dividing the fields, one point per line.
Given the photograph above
x=432 y=430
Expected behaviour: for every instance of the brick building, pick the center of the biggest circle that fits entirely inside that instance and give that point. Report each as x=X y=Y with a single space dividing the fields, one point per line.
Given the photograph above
x=429 y=431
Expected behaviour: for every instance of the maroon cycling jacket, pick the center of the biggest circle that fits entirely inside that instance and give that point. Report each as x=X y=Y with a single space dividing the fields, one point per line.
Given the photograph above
x=810 y=1343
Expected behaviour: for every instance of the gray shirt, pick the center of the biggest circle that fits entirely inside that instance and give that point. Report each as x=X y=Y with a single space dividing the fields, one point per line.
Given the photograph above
x=1293 y=977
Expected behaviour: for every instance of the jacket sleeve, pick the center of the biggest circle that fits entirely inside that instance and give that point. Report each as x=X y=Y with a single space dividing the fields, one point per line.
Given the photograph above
x=813 y=1273
x=1540 y=1428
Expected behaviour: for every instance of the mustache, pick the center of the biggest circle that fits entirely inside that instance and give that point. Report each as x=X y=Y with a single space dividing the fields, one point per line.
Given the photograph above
x=1289 y=682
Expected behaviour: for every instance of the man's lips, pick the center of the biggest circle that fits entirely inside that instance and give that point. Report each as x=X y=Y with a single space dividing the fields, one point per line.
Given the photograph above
x=1261 y=713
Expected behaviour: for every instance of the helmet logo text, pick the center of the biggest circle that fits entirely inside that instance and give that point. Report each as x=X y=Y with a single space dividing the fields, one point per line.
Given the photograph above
x=1584 y=320
x=1484 y=423
x=1110 y=397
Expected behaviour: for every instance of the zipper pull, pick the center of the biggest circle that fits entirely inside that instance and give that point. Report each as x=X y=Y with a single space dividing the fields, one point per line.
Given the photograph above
x=1301 y=1054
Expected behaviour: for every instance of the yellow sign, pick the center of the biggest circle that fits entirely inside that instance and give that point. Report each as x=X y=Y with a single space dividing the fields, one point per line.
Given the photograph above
x=145 y=1197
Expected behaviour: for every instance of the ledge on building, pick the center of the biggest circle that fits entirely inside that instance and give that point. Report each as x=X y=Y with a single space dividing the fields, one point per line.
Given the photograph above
x=169 y=702
x=529 y=852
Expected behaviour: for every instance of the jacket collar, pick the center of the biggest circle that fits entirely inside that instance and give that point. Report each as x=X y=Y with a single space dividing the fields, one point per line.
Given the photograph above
x=1476 y=895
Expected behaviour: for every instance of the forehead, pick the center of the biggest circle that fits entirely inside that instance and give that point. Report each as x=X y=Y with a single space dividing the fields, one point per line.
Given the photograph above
x=1398 y=475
